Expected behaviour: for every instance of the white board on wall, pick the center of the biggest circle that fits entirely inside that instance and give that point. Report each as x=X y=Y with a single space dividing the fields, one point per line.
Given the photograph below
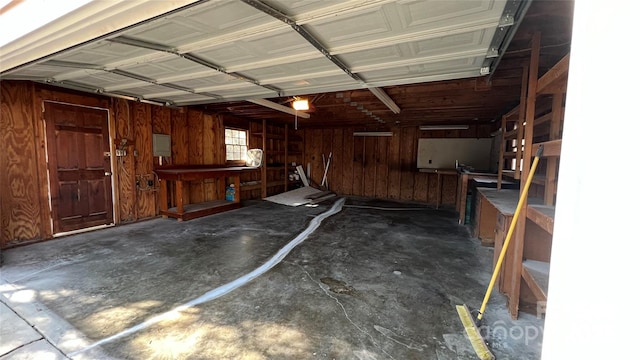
x=443 y=153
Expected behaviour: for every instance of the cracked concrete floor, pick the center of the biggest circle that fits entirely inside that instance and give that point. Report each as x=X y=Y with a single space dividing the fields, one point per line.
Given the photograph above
x=368 y=284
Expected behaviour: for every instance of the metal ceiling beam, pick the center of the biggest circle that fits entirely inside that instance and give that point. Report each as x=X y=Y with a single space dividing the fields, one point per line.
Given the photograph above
x=275 y=13
x=116 y=72
x=188 y=56
x=259 y=5
x=86 y=88
x=511 y=19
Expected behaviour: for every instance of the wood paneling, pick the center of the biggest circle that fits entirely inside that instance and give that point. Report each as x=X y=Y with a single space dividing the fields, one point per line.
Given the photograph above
x=195 y=133
x=146 y=199
x=125 y=165
x=20 y=205
x=24 y=192
x=208 y=155
x=376 y=167
x=408 y=162
x=347 y=161
x=369 y=167
x=380 y=167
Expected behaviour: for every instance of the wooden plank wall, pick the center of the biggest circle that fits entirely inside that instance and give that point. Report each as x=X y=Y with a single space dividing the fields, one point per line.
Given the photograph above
x=197 y=138
x=380 y=167
x=20 y=202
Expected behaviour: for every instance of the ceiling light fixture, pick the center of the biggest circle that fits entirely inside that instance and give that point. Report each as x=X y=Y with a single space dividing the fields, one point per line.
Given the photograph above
x=443 y=127
x=373 y=133
x=301 y=104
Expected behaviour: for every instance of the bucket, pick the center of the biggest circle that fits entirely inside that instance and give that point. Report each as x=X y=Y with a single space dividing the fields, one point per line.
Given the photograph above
x=230 y=194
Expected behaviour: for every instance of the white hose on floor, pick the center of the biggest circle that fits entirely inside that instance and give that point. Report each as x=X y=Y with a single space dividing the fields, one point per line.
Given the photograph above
x=228 y=287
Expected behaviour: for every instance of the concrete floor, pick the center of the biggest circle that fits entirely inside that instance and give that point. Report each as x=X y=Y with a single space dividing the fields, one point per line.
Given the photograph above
x=367 y=284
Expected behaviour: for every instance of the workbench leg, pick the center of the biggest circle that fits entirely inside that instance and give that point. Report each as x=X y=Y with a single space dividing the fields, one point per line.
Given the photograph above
x=179 y=198
x=463 y=198
x=439 y=194
x=163 y=197
x=236 y=184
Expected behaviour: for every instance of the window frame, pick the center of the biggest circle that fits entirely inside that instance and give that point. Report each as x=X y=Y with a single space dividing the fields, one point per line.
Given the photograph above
x=246 y=145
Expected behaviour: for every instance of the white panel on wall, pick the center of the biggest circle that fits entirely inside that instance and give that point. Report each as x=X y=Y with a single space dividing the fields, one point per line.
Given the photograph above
x=161 y=145
x=443 y=153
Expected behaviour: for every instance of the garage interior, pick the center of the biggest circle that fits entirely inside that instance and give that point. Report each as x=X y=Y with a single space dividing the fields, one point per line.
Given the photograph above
x=132 y=226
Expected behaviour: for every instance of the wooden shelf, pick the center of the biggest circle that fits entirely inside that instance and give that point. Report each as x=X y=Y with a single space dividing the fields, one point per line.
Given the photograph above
x=259 y=185
x=512 y=134
x=557 y=75
x=536 y=275
x=269 y=136
x=542 y=215
x=542 y=119
x=551 y=148
x=192 y=211
x=538 y=179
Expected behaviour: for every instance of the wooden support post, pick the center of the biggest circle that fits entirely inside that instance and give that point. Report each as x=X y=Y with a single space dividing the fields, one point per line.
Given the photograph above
x=179 y=197
x=503 y=126
x=517 y=249
x=263 y=169
x=286 y=157
x=222 y=188
x=521 y=116
x=236 y=184
x=552 y=162
x=463 y=180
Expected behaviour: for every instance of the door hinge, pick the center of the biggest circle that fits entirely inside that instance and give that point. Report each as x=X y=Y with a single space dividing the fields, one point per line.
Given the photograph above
x=107 y=154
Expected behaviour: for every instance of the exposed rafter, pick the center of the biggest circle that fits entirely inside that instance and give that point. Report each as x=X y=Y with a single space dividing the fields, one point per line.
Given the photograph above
x=276 y=106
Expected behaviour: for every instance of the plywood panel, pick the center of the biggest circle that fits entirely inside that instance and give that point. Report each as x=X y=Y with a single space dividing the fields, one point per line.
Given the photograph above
x=179 y=145
x=125 y=165
x=449 y=189
x=432 y=188
x=208 y=155
x=394 y=166
x=146 y=203
x=337 y=162
x=20 y=216
x=347 y=161
x=369 y=167
x=358 y=162
x=41 y=159
x=327 y=147
x=382 y=167
x=179 y=137
x=196 y=128
x=314 y=155
x=407 y=162
x=420 y=183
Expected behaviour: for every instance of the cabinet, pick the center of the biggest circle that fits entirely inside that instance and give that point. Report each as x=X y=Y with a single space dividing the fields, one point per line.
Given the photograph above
x=525 y=273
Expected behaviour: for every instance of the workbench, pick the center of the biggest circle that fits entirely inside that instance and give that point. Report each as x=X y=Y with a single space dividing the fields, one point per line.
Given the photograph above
x=439 y=173
x=185 y=173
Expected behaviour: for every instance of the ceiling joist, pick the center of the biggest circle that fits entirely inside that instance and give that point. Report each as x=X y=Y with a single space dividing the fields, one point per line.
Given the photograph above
x=282 y=108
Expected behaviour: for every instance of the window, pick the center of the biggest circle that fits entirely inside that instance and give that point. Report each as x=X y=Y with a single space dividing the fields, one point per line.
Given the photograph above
x=236 y=141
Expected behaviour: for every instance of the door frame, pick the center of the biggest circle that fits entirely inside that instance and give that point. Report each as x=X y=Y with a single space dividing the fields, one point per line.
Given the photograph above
x=112 y=163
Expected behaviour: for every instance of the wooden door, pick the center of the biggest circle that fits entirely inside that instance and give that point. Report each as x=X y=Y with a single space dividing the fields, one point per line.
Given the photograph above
x=79 y=166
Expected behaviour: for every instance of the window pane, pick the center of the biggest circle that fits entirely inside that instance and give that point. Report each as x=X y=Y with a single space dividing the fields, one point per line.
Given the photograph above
x=236 y=144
